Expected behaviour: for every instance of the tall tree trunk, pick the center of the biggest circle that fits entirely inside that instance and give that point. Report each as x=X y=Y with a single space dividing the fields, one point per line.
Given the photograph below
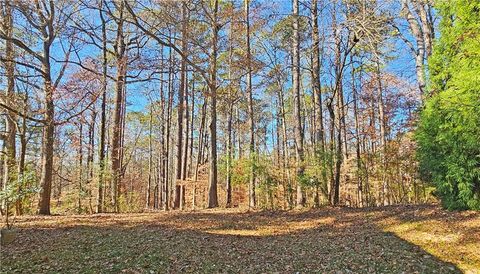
x=339 y=115
x=23 y=152
x=80 y=166
x=161 y=154
x=230 y=110
x=357 y=138
x=10 y=163
x=167 y=135
x=317 y=92
x=117 y=148
x=192 y=115
x=299 y=136
x=285 y=149
x=280 y=158
x=46 y=176
x=122 y=188
x=150 y=158
x=383 y=138
x=103 y=117
x=317 y=98
x=212 y=178
x=339 y=155
x=331 y=168
x=419 y=52
x=201 y=136
x=90 y=157
x=200 y=149
x=180 y=110
x=166 y=156
x=229 y=157
x=252 y=202
x=186 y=122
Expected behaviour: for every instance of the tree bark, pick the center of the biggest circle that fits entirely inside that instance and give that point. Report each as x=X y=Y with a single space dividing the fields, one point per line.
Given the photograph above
x=90 y=157
x=23 y=152
x=80 y=166
x=252 y=202
x=167 y=135
x=10 y=163
x=212 y=178
x=423 y=38
x=180 y=109
x=357 y=139
x=319 y=141
x=299 y=135
x=117 y=149
x=317 y=92
x=150 y=157
x=46 y=176
x=186 y=122
x=103 y=117
x=383 y=138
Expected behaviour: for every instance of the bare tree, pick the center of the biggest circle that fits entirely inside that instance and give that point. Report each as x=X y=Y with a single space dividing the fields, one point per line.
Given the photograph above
x=46 y=19
x=420 y=21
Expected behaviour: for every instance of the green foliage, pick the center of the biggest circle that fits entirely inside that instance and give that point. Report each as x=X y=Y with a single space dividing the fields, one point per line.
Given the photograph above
x=17 y=190
x=320 y=165
x=283 y=31
x=130 y=202
x=449 y=131
x=239 y=170
x=267 y=175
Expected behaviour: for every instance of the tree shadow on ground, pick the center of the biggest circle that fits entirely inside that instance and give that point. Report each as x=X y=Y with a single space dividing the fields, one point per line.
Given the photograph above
x=327 y=241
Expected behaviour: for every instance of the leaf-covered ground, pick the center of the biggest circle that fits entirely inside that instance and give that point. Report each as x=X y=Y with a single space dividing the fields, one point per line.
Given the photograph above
x=415 y=239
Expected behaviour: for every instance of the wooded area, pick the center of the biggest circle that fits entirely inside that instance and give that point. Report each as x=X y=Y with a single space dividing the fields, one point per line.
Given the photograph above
x=120 y=106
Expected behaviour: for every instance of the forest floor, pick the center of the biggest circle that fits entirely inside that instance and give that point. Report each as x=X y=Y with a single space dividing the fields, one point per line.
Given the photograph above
x=397 y=239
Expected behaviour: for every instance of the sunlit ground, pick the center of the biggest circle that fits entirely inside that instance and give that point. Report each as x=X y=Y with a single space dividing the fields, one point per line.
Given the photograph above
x=415 y=239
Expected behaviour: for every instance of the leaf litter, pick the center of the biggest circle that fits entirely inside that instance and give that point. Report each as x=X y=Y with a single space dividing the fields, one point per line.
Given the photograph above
x=396 y=239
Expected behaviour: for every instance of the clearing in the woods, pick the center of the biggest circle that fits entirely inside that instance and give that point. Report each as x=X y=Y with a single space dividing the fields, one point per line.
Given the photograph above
x=407 y=239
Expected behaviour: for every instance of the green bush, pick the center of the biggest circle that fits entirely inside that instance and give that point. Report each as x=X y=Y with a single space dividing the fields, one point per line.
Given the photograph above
x=448 y=135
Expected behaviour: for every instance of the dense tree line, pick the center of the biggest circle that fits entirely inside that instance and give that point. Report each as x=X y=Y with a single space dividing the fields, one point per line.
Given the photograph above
x=114 y=106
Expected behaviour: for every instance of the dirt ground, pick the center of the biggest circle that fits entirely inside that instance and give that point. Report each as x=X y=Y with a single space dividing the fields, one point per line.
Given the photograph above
x=397 y=239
